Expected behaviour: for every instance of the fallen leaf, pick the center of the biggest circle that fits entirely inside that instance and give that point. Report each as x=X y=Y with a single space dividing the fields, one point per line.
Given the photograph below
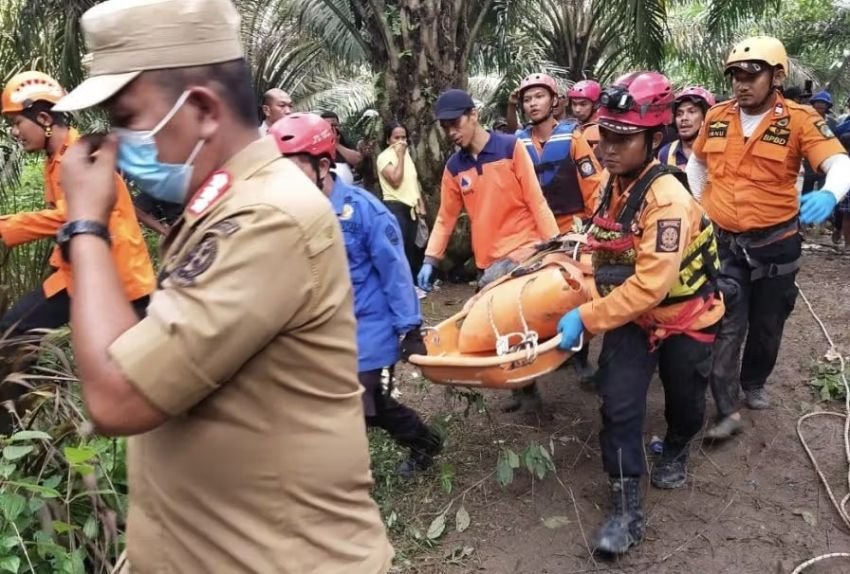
x=438 y=526
x=461 y=519
x=807 y=516
x=553 y=522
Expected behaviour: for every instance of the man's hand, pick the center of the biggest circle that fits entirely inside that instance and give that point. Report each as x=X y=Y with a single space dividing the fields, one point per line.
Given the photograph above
x=88 y=178
x=412 y=344
x=816 y=207
x=513 y=98
x=571 y=328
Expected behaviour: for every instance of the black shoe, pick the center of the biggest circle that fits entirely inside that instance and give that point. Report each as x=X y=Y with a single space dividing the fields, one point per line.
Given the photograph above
x=624 y=527
x=422 y=458
x=585 y=373
x=670 y=472
x=526 y=399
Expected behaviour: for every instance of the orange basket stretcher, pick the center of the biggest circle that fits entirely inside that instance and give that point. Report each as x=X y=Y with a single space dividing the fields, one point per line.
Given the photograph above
x=506 y=335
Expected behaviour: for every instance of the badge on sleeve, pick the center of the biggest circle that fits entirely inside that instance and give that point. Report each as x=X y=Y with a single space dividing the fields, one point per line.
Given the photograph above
x=667 y=235
x=824 y=129
x=585 y=167
x=392 y=234
x=199 y=259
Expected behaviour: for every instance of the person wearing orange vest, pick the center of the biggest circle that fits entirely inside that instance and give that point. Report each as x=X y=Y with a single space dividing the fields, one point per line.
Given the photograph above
x=655 y=268
x=565 y=165
x=583 y=98
x=689 y=111
x=744 y=167
x=27 y=101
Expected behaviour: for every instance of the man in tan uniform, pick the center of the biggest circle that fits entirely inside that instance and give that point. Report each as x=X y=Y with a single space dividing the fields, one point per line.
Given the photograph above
x=250 y=452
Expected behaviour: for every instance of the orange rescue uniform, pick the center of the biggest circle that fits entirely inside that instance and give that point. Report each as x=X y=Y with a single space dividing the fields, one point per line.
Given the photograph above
x=666 y=225
x=590 y=131
x=501 y=195
x=128 y=246
x=752 y=182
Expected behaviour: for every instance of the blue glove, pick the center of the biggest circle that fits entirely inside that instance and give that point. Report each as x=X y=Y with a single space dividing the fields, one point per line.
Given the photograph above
x=570 y=327
x=424 y=277
x=817 y=206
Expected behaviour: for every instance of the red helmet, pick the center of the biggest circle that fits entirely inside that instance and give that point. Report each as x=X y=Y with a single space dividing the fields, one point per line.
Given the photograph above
x=695 y=94
x=636 y=102
x=586 y=89
x=304 y=134
x=539 y=81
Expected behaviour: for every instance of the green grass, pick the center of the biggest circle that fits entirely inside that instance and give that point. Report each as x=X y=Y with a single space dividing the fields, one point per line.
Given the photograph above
x=24 y=267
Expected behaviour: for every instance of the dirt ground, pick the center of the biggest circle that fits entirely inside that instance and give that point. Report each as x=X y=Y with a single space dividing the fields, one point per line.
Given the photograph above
x=752 y=505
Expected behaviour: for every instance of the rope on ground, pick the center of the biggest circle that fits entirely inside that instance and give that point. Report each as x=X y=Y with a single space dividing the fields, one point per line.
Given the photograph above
x=840 y=507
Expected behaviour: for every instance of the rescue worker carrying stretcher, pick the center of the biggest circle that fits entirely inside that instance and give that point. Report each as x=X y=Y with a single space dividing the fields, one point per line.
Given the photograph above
x=493 y=178
x=566 y=168
x=655 y=266
x=744 y=167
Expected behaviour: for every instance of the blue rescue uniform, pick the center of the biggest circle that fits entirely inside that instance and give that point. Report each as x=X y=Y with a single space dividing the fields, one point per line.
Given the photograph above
x=385 y=302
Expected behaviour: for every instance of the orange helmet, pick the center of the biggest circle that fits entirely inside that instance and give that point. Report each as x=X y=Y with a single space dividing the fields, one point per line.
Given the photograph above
x=27 y=88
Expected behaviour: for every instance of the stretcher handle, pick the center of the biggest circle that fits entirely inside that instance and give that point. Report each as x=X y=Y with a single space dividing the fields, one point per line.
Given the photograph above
x=495 y=361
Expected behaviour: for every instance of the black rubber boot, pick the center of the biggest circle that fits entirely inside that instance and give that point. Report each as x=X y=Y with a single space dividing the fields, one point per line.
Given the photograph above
x=625 y=525
x=670 y=472
x=526 y=399
x=421 y=458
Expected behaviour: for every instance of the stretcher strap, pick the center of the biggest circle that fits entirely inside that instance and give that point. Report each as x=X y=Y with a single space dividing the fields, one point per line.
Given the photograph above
x=527 y=340
x=681 y=325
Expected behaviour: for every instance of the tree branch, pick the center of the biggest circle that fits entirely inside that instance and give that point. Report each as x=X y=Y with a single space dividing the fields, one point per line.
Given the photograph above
x=473 y=33
x=379 y=17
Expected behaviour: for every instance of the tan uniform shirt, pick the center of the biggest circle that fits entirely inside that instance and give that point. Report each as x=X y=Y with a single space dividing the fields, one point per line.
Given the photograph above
x=249 y=345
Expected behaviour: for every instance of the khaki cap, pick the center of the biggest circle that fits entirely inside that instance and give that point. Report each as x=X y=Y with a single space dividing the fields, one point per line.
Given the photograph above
x=128 y=37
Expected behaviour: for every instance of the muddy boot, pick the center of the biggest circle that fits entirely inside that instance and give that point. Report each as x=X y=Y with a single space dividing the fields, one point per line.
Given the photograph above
x=421 y=458
x=670 y=472
x=724 y=429
x=756 y=399
x=526 y=399
x=624 y=527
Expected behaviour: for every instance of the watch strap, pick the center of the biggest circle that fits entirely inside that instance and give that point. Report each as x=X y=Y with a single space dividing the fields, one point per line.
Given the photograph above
x=79 y=227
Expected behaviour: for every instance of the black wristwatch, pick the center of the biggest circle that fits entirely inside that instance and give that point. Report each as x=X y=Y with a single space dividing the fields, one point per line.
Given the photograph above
x=79 y=227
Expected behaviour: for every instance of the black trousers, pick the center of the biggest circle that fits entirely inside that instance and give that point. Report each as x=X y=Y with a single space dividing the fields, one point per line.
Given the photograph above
x=408 y=226
x=626 y=366
x=755 y=317
x=36 y=311
x=400 y=421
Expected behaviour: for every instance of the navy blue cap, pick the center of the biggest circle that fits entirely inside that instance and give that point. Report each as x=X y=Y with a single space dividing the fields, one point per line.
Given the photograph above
x=452 y=104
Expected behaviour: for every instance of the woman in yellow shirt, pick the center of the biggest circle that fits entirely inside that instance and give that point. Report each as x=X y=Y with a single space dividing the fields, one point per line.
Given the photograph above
x=401 y=191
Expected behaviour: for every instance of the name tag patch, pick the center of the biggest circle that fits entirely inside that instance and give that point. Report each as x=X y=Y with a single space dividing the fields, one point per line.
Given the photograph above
x=718 y=129
x=777 y=135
